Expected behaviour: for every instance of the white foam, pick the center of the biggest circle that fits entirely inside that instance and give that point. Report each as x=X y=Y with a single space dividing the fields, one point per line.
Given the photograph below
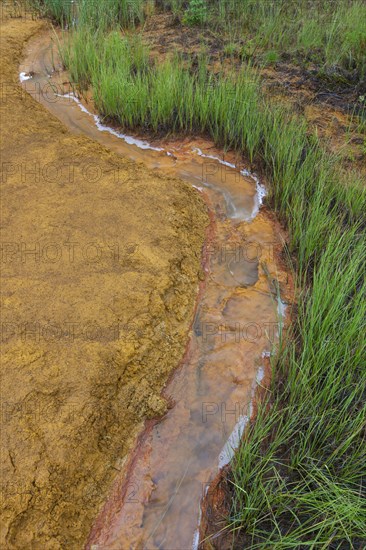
x=233 y=442
x=141 y=144
x=281 y=308
x=281 y=312
x=260 y=375
x=196 y=539
x=24 y=76
x=201 y=154
x=235 y=437
x=261 y=192
x=196 y=535
x=74 y=98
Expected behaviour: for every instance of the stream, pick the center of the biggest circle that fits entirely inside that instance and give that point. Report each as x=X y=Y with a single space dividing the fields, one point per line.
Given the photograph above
x=155 y=501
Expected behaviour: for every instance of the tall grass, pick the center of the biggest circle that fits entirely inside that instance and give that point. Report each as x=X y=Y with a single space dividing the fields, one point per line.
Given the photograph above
x=297 y=478
x=330 y=32
x=59 y=11
x=92 y=14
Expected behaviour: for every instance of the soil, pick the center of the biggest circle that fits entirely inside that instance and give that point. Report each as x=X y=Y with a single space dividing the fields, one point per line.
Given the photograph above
x=101 y=262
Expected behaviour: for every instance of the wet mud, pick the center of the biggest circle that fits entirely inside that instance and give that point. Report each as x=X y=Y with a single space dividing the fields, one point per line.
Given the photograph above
x=155 y=499
x=101 y=260
x=150 y=496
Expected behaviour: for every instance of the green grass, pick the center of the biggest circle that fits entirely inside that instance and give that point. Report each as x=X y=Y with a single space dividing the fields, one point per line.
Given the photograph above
x=196 y=13
x=297 y=478
x=331 y=33
x=60 y=11
x=92 y=14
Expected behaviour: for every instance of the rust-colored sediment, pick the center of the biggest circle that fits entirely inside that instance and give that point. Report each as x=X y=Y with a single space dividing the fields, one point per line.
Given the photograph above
x=124 y=488
x=216 y=503
x=159 y=223
x=72 y=406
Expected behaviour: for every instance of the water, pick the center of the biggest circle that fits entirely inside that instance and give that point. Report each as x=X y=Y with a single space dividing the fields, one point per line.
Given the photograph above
x=155 y=501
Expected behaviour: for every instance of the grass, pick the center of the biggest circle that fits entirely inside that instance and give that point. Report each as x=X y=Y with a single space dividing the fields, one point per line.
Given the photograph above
x=297 y=480
x=92 y=14
x=330 y=33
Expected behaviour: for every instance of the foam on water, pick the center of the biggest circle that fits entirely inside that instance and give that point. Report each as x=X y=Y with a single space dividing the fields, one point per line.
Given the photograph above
x=24 y=76
x=232 y=443
x=234 y=439
x=103 y=128
x=143 y=144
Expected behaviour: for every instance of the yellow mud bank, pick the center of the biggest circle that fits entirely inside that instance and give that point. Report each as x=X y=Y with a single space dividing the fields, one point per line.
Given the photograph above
x=101 y=260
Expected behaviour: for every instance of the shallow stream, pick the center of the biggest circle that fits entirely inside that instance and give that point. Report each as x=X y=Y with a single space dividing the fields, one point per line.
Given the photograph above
x=155 y=502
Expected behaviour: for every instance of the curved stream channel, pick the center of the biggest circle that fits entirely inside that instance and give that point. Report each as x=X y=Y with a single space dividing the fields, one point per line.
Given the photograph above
x=155 y=501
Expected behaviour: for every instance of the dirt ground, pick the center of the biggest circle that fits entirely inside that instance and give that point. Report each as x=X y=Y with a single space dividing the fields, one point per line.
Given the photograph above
x=101 y=260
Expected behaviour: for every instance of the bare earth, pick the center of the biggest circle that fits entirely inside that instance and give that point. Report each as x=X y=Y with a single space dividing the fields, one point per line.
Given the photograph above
x=101 y=260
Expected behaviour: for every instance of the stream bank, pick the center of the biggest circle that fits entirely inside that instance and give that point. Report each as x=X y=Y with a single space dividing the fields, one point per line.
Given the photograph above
x=239 y=317
x=237 y=321
x=94 y=248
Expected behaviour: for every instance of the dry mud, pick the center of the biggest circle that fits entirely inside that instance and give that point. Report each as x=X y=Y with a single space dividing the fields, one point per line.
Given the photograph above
x=101 y=260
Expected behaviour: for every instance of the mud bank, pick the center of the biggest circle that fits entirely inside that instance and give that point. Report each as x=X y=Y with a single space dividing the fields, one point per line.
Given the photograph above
x=223 y=363
x=101 y=262
x=155 y=499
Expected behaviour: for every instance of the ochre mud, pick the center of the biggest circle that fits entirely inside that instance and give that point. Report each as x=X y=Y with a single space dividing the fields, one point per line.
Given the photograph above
x=94 y=322
x=82 y=401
